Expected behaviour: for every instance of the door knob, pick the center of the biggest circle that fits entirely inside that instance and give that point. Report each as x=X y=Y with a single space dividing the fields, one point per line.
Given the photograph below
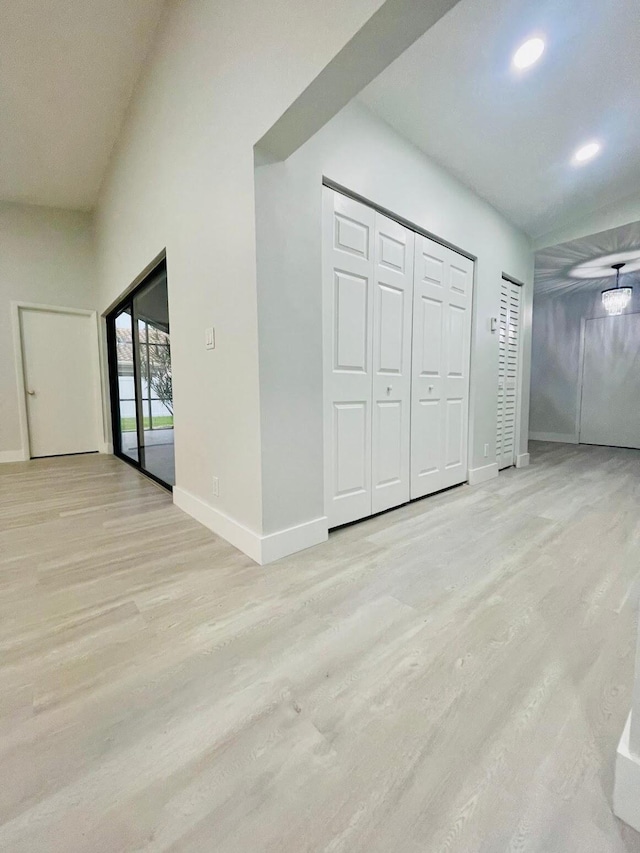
x=31 y=393
x=430 y=388
x=389 y=390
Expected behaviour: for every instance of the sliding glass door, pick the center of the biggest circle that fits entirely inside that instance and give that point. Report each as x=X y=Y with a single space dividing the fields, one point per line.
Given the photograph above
x=127 y=439
x=139 y=344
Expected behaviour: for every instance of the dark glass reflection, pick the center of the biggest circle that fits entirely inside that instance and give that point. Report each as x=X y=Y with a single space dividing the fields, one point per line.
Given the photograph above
x=126 y=385
x=151 y=313
x=141 y=349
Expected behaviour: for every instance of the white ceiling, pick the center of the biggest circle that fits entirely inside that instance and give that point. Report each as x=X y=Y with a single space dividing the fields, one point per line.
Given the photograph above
x=67 y=71
x=556 y=266
x=510 y=136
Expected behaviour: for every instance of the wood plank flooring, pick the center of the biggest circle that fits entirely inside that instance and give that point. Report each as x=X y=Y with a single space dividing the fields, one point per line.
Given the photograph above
x=451 y=676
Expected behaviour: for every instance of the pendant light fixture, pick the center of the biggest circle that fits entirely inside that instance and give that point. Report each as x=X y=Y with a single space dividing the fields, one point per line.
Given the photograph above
x=616 y=299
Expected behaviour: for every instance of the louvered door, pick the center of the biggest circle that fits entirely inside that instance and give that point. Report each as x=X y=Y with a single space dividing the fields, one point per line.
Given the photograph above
x=509 y=347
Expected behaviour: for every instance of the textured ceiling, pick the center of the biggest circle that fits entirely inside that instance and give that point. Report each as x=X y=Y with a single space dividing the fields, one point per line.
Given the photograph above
x=67 y=71
x=511 y=135
x=554 y=265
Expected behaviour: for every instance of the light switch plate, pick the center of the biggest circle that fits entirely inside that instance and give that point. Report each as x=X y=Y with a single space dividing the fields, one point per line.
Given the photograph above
x=494 y=324
x=210 y=338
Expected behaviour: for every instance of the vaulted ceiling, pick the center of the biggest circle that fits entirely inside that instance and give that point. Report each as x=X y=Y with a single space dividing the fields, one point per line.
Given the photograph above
x=67 y=71
x=511 y=135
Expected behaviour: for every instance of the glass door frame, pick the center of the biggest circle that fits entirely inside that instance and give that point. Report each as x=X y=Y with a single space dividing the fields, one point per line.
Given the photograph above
x=127 y=304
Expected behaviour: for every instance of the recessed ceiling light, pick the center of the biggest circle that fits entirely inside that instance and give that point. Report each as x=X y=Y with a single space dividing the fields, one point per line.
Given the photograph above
x=586 y=152
x=528 y=53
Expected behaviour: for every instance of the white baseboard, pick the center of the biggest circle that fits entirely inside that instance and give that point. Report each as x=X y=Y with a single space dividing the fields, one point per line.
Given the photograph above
x=261 y=549
x=626 y=790
x=105 y=447
x=481 y=475
x=237 y=534
x=13 y=456
x=562 y=437
x=293 y=539
x=522 y=460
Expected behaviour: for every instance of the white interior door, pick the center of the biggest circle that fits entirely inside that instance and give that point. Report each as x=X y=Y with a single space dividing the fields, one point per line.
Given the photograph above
x=610 y=411
x=59 y=354
x=442 y=301
x=348 y=319
x=508 y=354
x=392 y=312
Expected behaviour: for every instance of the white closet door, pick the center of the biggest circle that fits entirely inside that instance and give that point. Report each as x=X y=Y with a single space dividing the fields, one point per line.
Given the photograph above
x=508 y=348
x=443 y=285
x=348 y=320
x=392 y=311
x=610 y=412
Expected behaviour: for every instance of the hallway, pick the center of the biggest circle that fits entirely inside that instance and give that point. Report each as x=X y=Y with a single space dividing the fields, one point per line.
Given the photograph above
x=450 y=676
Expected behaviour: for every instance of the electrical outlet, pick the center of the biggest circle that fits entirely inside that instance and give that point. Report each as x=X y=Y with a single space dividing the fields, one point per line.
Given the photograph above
x=216 y=487
x=486 y=450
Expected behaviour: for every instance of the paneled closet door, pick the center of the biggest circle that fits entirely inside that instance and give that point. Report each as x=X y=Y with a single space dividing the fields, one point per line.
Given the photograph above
x=392 y=313
x=348 y=271
x=508 y=348
x=442 y=300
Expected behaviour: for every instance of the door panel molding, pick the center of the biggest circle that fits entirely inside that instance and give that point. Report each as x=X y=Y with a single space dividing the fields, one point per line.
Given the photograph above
x=347 y=308
x=394 y=329
x=396 y=217
x=392 y=319
x=441 y=367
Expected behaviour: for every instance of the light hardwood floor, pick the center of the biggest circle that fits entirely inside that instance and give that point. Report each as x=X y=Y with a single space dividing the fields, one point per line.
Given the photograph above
x=451 y=676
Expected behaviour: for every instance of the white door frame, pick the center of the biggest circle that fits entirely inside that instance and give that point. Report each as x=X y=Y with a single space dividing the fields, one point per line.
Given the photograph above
x=327 y=330
x=16 y=308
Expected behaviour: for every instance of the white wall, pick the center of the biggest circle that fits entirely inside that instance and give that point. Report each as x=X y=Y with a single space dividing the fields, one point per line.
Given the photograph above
x=555 y=365
x=358 y=151
x=182 y=178
x=221 y=73
x=556 y=329
x=47 y=257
